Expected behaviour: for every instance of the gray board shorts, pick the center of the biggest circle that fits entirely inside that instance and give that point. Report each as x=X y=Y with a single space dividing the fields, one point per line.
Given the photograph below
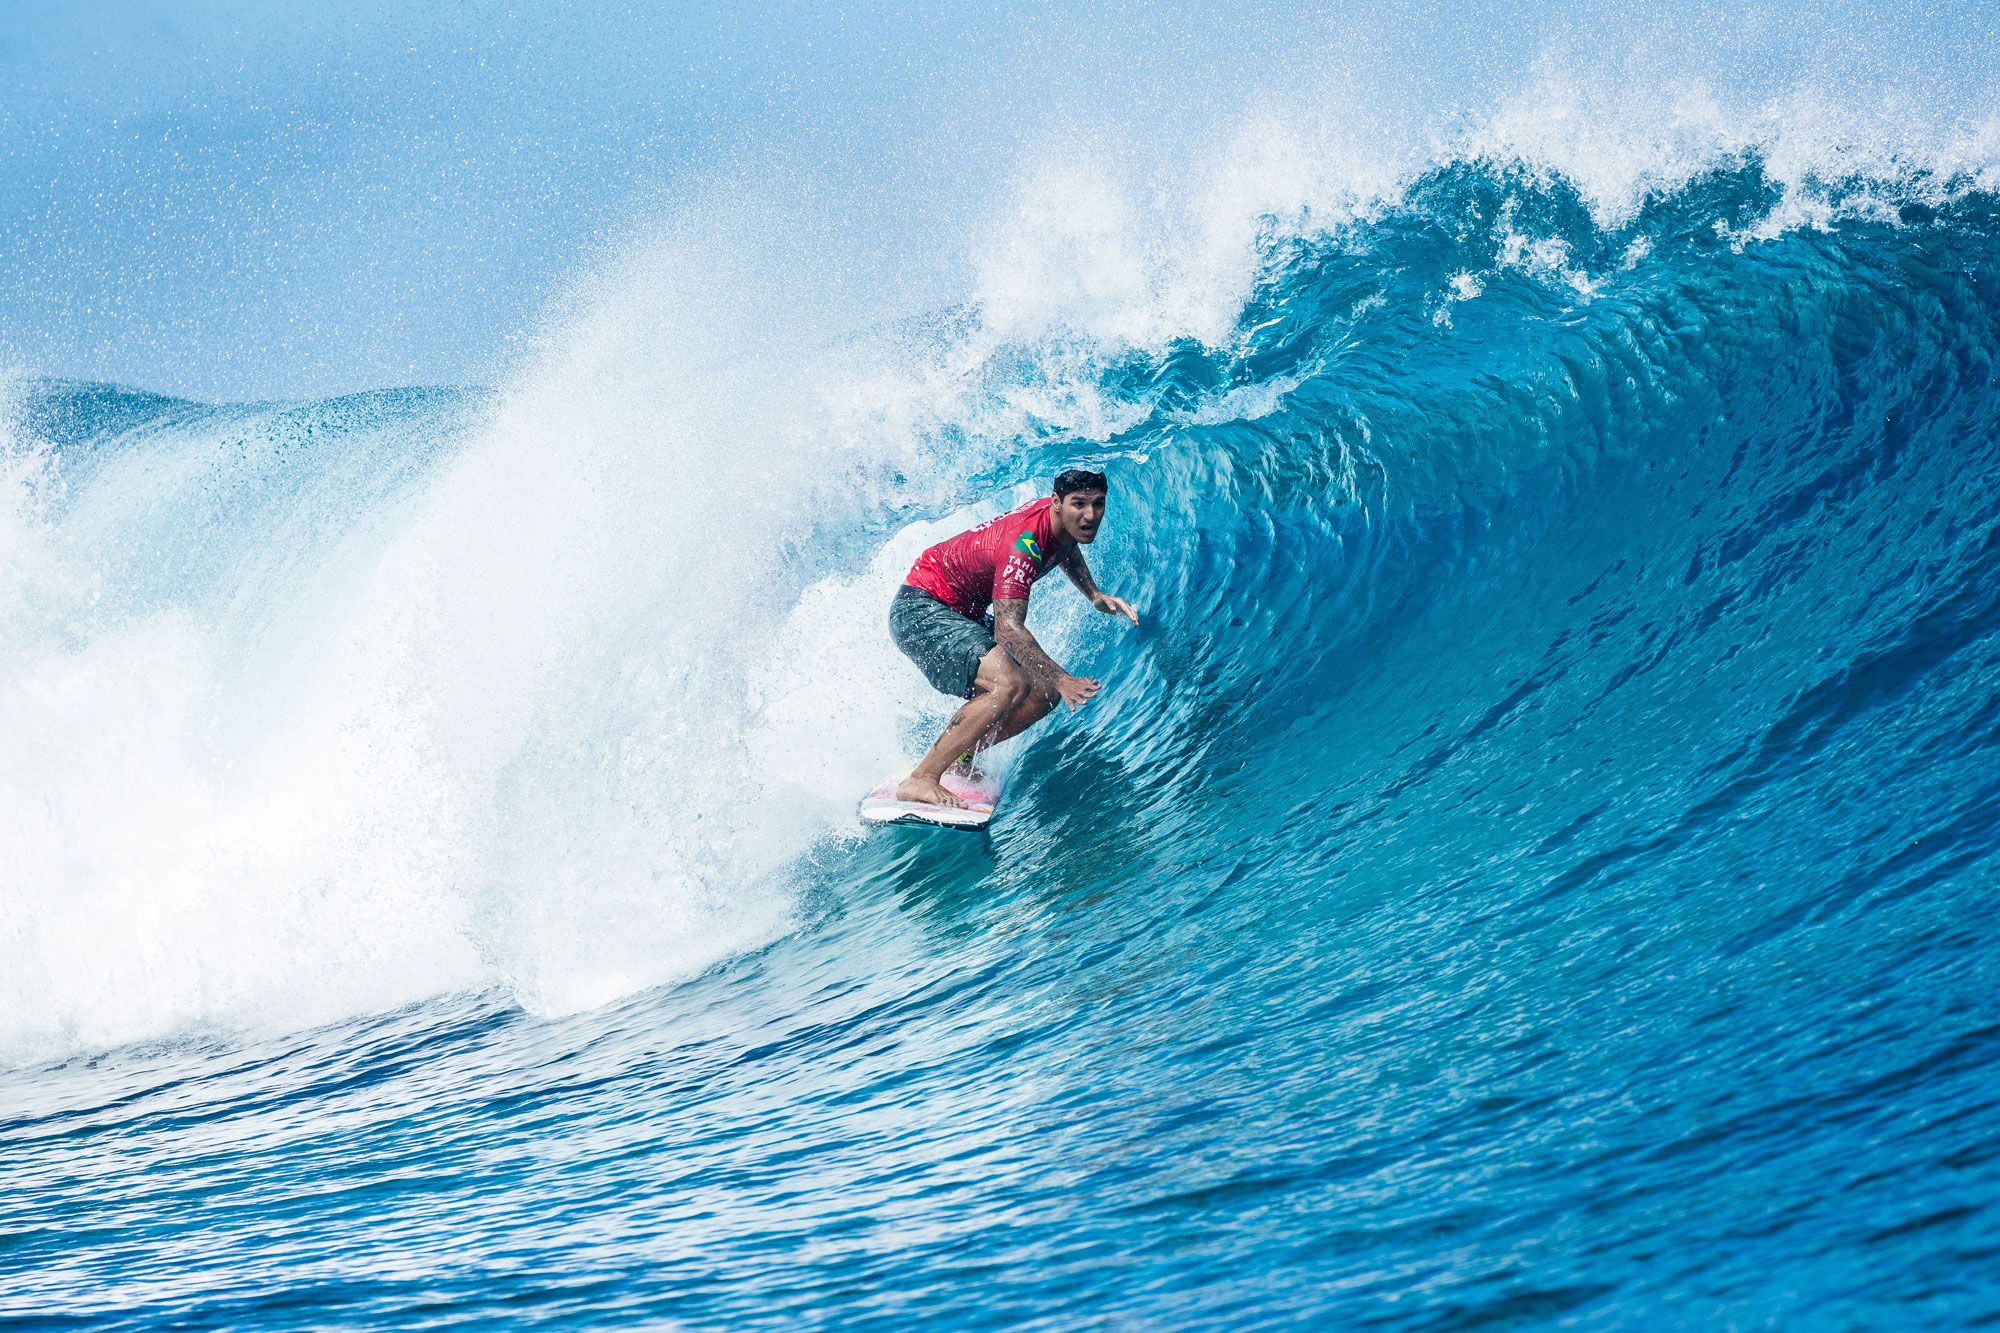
x=945 y=644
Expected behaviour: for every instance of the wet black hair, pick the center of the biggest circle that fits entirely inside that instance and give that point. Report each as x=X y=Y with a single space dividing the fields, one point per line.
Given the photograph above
x=1077 y=479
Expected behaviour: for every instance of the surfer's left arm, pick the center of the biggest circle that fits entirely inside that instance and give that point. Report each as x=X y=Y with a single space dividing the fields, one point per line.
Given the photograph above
x=1079 y=573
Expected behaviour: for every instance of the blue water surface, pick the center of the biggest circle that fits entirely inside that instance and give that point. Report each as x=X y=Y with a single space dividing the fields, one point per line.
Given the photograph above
x=1534 y=868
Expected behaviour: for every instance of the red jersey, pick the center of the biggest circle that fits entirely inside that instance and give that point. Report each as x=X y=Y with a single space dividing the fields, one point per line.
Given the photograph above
x=999 y=559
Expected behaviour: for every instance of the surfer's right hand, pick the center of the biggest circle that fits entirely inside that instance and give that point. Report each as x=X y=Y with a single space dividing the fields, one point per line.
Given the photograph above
x=1075 y=689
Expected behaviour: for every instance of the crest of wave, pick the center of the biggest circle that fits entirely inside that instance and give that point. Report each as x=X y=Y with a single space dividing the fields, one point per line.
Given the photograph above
x=1626 y=133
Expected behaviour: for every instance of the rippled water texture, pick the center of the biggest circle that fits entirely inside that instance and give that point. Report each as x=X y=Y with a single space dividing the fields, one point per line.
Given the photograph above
x=1534 y=865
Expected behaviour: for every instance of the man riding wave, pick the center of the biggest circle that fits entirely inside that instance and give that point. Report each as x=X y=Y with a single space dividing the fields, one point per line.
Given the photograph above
x=940 y=620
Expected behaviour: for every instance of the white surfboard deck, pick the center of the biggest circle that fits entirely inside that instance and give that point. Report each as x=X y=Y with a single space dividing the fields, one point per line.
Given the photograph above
x=880 y=807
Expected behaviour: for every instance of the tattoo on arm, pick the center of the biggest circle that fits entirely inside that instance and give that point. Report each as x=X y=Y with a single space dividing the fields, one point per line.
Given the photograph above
x=1079 y=573
x=1010 y=629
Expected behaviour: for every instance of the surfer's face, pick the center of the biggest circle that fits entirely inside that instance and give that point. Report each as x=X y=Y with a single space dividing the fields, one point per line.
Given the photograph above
x=1080 y=512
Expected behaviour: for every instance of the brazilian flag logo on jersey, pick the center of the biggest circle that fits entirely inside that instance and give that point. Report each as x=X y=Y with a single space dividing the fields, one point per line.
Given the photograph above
x=1027 y=544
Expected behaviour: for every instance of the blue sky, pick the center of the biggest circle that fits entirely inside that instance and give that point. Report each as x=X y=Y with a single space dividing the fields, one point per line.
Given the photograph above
x=238 y=200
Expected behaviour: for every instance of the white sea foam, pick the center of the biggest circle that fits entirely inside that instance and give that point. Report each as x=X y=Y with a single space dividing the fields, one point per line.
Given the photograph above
x=1622 y=137
x=554 y=716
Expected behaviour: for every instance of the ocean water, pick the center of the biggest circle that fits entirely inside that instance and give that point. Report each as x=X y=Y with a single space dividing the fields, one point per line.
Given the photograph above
x=1533 y=866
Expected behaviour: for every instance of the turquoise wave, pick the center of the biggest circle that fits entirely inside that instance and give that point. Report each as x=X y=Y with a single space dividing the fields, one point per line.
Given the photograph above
x=1529 y=868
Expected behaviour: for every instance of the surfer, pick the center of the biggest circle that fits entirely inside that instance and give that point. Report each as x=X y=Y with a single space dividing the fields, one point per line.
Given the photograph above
x=940 y=620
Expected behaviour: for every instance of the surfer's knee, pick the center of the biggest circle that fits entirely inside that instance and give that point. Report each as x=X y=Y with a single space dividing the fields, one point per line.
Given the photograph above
x=1007 y=683
x=1013 y=691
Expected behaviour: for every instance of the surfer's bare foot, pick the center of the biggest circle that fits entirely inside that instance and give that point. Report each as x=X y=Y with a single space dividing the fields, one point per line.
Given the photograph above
x=928 y=791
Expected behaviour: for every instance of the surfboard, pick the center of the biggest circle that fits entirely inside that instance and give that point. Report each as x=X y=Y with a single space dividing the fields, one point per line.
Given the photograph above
x=980 y=792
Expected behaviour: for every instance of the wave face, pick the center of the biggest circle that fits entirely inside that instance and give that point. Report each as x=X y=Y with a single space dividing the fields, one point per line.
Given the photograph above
x=1532 y=865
